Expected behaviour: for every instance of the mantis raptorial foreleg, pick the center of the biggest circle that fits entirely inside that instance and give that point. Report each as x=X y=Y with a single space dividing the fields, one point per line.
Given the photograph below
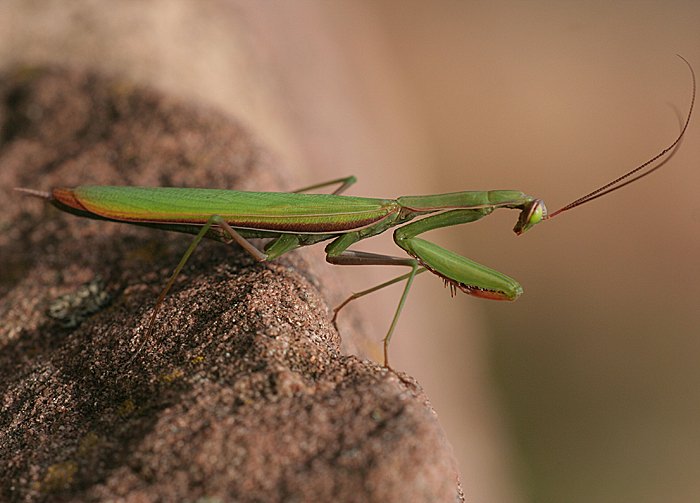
x=457 y=271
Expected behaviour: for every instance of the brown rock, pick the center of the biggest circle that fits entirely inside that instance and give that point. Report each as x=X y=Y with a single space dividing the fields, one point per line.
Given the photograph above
x=241 y=393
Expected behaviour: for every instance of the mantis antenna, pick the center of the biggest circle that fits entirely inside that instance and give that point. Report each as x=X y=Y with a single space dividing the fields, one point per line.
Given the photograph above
x=640 y=171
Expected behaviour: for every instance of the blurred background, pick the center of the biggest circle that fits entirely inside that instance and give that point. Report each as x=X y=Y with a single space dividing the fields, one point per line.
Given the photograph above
x=585 y=389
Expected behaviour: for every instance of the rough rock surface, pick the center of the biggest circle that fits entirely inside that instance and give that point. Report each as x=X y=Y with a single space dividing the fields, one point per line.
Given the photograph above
x=241 y=393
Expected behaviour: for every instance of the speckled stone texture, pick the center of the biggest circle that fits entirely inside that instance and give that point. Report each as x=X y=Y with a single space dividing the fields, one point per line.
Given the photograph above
x=241 y=393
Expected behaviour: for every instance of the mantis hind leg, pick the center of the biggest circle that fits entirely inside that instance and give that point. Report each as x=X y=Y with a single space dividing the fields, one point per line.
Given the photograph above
x=213 y=220
x=344 y=184
x=351 y=257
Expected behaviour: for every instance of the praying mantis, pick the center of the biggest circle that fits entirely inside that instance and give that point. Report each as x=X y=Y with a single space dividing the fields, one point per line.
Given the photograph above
x=290 y=220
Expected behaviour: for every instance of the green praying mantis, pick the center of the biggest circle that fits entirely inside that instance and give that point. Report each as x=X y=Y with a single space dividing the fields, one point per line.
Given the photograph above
x=296 y=219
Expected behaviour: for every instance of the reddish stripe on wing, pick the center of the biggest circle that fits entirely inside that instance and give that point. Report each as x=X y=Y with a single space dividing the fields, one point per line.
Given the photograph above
x=67 y=198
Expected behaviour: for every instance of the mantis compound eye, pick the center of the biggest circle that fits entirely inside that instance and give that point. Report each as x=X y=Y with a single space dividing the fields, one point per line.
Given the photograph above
x=532 y=213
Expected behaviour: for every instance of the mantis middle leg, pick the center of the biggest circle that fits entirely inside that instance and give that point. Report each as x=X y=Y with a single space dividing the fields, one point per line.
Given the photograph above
x=353 y=257
x=458 y=272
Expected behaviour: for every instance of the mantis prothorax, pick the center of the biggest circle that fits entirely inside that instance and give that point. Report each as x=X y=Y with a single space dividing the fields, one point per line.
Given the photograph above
x=296 y=219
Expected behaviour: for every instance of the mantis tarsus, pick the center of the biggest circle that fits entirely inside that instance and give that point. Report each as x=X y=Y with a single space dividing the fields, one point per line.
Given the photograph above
x=293 y=220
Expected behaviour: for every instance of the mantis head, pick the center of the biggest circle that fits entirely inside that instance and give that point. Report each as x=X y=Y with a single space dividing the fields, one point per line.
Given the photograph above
x=532 y=213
